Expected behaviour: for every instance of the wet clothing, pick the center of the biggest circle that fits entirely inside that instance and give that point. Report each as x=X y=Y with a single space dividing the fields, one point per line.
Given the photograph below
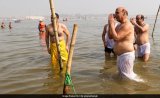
x=109 y=42
x=54 y=53
x=125 y=63
x=143 y=49
x=109 y=50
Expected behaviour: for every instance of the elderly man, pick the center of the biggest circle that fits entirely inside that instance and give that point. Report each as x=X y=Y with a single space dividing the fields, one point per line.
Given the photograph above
x=142 y=37
x=123 y=35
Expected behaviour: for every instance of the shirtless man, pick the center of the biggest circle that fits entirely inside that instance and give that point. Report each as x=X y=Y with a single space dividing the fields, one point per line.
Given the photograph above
x=142 y=37
x=123 y=35
x=51 y=44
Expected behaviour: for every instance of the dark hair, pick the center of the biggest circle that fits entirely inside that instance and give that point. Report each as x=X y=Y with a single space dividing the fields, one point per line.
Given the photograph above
x=142 y=17
x=57 y=15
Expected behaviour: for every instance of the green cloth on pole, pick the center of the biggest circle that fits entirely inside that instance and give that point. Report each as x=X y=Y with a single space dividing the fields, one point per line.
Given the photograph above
x=68 y=82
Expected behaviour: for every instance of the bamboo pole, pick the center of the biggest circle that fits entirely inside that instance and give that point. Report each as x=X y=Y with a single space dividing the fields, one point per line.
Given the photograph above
x=68 y=70
x=155 y=20
x=56 y=33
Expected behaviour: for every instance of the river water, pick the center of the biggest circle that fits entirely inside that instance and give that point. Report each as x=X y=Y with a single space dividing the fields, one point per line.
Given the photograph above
x=25 y=64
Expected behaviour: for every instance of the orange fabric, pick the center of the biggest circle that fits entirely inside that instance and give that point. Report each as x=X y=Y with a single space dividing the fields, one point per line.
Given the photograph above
x=42 y=26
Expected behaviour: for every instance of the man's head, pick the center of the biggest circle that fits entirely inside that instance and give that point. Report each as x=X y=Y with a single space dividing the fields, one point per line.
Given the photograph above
x=57 y=16
x=40 y=20
x=139 y=18
x=121 y=13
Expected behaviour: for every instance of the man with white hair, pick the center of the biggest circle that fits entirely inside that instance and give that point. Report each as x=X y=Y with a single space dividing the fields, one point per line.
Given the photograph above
x=123 y=35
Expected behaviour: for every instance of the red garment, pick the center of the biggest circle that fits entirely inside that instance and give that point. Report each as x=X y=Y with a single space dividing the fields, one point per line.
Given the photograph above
x=42 y=26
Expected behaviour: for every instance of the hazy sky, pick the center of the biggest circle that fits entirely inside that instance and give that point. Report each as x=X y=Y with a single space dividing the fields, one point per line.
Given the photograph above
x=10 y=8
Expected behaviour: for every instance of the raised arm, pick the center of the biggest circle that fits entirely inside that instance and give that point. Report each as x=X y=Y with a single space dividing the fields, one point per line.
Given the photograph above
x=144 y=28
x=121 y=33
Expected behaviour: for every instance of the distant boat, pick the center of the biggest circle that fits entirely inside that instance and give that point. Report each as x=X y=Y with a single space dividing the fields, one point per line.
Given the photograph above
x=65 y=19
x=17 y=21
x=35 y=17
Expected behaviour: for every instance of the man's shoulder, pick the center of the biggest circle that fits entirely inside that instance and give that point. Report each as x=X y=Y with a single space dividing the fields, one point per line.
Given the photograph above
x=129 y=24
x=146 y=24
x=62 y=25
x=49 y=25
x=128 y=27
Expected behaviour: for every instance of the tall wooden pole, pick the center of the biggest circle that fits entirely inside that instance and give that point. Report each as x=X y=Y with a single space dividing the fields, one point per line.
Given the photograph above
x=68 y=70
x=155 y=20
x=73 y=41
x=54 y=20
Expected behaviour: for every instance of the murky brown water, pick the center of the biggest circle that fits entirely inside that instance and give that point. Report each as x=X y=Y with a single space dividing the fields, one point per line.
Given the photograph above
x=25 y=64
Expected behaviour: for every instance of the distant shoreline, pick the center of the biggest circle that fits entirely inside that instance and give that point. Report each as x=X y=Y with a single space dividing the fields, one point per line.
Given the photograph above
x=67 y=15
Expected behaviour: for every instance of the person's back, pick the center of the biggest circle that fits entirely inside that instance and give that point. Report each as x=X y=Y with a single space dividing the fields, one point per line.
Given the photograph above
x=108 y=43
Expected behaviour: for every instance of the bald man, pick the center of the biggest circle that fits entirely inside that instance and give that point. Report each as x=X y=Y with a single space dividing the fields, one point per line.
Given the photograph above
x=123 y=35
x=142 y=37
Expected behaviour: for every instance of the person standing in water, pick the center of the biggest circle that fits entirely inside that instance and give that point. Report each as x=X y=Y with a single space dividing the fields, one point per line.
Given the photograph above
x=10 y=25
x=63 y=33
x=2 y=25
x=142 y=37
x=123 y=35
x=107 y=42
x=41 y=28
x=42 y=32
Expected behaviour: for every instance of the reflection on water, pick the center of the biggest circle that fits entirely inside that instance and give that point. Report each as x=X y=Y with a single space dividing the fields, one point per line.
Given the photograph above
x=25 y=63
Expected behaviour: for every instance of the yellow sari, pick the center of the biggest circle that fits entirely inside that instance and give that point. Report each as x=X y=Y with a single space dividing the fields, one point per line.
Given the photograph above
x=54 y=54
